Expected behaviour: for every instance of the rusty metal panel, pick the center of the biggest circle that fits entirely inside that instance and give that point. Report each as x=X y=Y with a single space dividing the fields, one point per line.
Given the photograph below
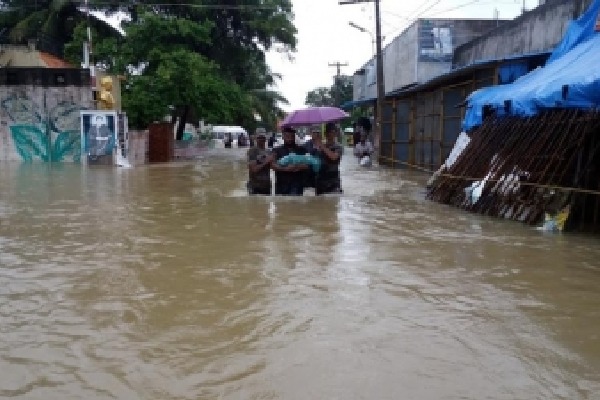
x=160 y=142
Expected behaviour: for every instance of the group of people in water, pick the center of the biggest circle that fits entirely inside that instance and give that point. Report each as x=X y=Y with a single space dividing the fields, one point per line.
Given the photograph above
x=314 y=164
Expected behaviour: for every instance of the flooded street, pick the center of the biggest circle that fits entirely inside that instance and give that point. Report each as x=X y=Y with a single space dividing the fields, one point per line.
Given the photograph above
x=169 y=282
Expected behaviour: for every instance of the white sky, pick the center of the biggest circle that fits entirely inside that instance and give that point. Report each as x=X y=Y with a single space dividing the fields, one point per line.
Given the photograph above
x=324 y=35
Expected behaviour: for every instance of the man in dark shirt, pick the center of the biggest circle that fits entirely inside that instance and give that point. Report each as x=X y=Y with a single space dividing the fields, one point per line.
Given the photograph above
x=289 y=180
x=328 y=179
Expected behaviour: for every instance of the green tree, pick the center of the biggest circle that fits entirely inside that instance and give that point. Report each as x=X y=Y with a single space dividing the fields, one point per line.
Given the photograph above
x=50 y=22
x=153 y=94
x=168 y=76
x=340 y=92
x=319 y=97
x=226 y=41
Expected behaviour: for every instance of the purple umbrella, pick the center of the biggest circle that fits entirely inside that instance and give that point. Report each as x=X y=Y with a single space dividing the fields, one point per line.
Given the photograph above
x=314 y=115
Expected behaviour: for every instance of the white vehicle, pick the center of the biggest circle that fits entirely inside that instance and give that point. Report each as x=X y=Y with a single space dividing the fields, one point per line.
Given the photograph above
x=222 y=132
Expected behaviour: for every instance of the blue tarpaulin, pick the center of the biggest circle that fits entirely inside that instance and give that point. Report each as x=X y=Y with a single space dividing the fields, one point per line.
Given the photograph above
x=570 y=78
x=350 y=104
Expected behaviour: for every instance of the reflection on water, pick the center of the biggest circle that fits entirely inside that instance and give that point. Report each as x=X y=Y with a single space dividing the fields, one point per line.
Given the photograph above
x=168 y=282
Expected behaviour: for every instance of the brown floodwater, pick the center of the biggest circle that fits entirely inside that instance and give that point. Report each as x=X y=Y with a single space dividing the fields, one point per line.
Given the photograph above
x=169 y=282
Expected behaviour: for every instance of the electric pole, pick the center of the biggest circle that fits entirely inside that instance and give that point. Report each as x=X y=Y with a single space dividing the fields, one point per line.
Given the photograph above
x=336 y=81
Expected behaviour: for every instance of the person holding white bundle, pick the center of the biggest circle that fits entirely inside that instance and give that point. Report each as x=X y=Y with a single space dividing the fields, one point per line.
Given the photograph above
x=364 y=150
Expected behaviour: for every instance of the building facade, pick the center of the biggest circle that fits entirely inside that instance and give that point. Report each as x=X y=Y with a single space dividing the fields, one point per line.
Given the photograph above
x=422 y=52
x=538 y=30
x=422 y=114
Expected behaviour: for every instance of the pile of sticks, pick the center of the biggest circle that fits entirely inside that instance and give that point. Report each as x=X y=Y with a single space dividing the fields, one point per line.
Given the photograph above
x=522 y=168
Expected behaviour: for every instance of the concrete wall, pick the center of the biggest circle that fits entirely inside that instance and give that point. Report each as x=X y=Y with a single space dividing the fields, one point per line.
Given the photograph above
x=41 y=123
x=422 y=52
x=359 y=85
x=400 y=60
x=538 y=30
x=138 y=147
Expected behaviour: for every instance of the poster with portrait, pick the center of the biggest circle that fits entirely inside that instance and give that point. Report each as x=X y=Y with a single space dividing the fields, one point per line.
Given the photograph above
x=98 y=132
x=435 y=41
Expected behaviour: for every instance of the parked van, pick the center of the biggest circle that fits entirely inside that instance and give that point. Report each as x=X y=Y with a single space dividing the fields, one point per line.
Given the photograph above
x=220 y=133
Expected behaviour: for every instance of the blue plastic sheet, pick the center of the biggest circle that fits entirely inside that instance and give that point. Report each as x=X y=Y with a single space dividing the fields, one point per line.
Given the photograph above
x=511 y=72
x=570 y=78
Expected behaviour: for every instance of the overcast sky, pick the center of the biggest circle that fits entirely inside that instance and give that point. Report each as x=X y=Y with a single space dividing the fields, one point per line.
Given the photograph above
x=325 y=37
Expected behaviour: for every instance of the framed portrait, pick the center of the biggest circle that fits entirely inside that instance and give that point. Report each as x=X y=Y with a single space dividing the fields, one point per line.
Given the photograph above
x=98 y=132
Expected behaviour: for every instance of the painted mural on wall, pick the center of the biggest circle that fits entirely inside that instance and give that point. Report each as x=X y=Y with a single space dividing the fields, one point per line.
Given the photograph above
x=41 y=132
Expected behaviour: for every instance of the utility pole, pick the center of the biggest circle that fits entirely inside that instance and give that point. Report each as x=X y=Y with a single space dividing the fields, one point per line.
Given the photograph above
x=336 y=81
x=379 y=62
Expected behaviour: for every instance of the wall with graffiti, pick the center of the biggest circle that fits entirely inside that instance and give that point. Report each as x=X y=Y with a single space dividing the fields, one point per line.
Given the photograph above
x=42 y=123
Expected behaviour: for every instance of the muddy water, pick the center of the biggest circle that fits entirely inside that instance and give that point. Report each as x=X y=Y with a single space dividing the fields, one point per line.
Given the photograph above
x=168 y=282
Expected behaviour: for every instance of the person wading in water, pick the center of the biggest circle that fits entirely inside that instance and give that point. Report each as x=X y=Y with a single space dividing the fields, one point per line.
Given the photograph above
x=259 y=167
x=328 y=178
x=289 y=180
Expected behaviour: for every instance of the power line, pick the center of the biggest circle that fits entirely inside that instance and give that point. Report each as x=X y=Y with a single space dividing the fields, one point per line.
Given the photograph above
x=412 y=18
x=438 y=12
x=338 y=66
x=208 y=6
x=191 y=5
x=395 y=15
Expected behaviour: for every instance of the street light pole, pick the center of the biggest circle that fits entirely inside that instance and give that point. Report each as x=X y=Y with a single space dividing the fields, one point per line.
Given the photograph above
x=380 y=76
x=380 y=81
x=360 y=28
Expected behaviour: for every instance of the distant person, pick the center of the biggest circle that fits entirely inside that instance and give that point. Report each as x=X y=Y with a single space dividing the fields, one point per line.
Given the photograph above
x=289 y=180
x=228 y=141
x=328 y=178
x=363 y=125
x=364 y=147
x=272 y=140
x=364 y=151
x=355 y=134
x=259 y=167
